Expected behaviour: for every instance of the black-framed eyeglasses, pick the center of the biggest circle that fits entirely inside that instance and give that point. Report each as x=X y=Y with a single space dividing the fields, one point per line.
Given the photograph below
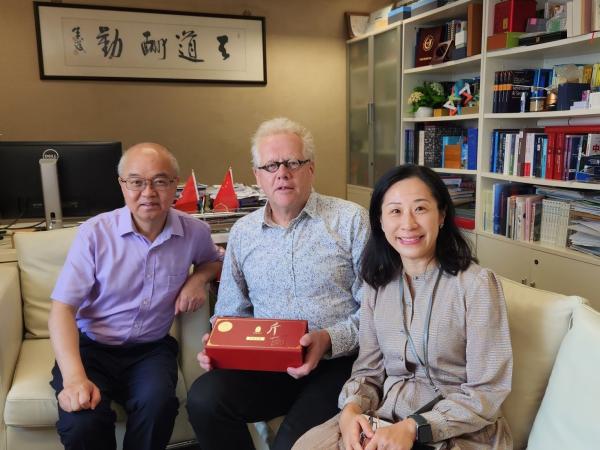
x=290 y=164
x=139 y=183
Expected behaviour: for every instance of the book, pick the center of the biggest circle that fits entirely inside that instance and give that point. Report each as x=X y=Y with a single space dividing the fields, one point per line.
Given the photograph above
x=472 y=135
x=520 y=82
x=555 y=222
x=433 y=143
x=500 y=192
x=451 y=156
x=427 y=41
x=474 y=22
x=421 y=148
x=533 y=217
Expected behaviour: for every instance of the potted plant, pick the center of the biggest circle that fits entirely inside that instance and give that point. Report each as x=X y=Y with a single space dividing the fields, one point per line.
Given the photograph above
x=424 y=98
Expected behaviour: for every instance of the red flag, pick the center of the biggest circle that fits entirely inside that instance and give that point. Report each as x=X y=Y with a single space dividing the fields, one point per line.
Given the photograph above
x=226 y=199
x=188 y=200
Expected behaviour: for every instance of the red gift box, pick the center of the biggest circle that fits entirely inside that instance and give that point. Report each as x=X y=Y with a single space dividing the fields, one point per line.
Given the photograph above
x=512 y=15
x=256 y=344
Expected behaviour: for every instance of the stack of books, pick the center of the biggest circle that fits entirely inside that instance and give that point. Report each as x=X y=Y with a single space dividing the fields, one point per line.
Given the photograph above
x=584 y=225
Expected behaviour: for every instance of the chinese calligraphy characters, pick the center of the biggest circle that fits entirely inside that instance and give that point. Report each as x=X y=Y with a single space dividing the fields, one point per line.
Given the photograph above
x=110 y=48
x=154 y=45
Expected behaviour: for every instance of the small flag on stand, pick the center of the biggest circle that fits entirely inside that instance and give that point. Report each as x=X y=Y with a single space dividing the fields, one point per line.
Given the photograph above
x=188 y=200
x=226 y=199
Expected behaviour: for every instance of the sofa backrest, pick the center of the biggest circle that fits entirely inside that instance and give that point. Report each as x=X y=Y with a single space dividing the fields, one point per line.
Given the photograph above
x=538 y=322
x=40 y=256
x=568 y=417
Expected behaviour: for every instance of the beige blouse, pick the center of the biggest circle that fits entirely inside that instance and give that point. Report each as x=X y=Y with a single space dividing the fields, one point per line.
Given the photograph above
x=469 y=352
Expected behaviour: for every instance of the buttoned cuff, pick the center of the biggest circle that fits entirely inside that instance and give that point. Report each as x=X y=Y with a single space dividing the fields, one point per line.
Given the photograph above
x=439 y=426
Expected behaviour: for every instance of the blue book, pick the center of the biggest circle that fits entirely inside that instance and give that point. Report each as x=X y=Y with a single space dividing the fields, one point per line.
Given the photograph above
x=472 y=134
x=494 y=152
x=544 y=156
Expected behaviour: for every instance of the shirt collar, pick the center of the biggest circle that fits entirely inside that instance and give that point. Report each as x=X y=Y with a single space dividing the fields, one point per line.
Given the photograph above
x=172 y=226
x=309 y=209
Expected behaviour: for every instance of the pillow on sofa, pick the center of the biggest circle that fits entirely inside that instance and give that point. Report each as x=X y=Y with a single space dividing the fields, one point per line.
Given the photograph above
x=568 y=417
x=41 y=257
x=538 y=321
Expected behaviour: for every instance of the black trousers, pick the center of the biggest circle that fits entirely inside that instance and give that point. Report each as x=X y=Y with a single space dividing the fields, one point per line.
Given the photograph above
x=221 y=403
x=142 y=378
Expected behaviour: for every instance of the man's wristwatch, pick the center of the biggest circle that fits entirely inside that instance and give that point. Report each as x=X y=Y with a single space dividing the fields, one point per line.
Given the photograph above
x=424 y=435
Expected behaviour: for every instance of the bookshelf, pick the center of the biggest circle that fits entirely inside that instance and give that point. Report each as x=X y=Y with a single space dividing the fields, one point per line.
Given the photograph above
x=533 y=263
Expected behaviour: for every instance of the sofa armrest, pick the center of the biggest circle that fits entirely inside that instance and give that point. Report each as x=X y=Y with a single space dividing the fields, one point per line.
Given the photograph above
x=11 y=328
x=192 y=326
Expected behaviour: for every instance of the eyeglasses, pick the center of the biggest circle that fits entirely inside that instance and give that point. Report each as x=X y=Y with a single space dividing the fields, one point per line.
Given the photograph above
x=139 y=184
x=290 y=164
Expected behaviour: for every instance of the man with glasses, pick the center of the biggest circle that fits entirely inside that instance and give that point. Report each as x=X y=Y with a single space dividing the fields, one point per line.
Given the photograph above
x=296 y=258
x=124 y=279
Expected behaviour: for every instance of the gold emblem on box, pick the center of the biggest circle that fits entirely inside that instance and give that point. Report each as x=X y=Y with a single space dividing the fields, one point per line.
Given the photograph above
x=224 y=326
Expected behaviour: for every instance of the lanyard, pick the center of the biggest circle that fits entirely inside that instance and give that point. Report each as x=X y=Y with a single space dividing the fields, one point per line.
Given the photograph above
x=424 y=362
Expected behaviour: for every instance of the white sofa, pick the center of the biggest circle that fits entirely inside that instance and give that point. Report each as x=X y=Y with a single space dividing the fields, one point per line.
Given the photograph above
x=28 y=411
x=541 y=323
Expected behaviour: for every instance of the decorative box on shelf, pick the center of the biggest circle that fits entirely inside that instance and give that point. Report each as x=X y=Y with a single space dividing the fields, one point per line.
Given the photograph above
x=256 y=344
x=512 y=15
x=503 y=40
x=470 y=109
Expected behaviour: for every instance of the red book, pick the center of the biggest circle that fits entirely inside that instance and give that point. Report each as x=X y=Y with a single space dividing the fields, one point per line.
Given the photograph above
x=465 y=223
x=256 y=344
x=550 y=155
x=554 y=144
x=559 y=156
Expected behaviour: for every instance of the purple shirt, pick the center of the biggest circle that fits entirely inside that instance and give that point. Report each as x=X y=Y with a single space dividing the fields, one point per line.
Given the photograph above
x=124 y=286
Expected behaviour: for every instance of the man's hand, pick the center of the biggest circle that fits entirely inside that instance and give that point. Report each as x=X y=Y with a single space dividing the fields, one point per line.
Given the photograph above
x=317 y=343
x=78 y=395
x=352 y=425
x=203 y=358
x=192 y=295
x=400 y=436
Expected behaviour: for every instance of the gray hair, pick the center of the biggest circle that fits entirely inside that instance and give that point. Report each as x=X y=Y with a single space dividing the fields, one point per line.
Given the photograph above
x=281 y=125
x=159 y=148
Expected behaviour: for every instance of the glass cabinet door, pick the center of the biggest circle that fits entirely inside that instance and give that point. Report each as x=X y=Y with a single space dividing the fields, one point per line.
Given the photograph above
x=358 y=126
x=386 y=84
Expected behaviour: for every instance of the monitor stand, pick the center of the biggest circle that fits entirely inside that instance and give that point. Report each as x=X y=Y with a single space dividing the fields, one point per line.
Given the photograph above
x=52 y=207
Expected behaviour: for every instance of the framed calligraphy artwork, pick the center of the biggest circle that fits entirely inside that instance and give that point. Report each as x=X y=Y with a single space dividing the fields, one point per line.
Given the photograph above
x=112 y=43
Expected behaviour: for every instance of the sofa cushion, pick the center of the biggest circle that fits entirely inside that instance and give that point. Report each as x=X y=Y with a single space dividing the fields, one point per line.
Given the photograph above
x=31 y=401
x=568 y=417
x=41 y=257
x=538 y=321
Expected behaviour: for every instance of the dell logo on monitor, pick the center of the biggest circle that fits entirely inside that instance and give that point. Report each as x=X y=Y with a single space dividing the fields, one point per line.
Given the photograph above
x=50 y=153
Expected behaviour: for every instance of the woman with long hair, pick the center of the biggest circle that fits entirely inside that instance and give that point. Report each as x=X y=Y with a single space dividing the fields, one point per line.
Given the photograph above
x=435 y=359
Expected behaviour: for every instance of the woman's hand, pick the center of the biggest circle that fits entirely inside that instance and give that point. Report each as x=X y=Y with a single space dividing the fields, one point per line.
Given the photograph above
x=400 y=436
x=353 y=426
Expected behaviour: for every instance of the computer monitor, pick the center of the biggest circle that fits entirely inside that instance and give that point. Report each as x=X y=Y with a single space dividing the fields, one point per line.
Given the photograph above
x=87 y=178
